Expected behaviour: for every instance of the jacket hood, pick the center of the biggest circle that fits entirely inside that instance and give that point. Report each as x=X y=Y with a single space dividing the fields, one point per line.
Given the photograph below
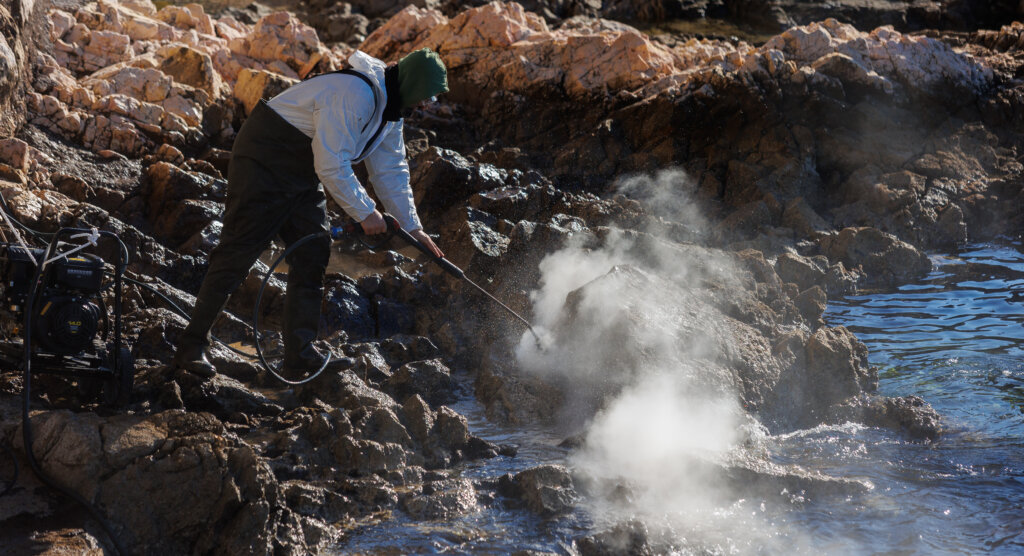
x=372 y=67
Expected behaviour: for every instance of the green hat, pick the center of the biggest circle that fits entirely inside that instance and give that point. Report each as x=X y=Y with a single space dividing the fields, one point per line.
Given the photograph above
x=421 y=75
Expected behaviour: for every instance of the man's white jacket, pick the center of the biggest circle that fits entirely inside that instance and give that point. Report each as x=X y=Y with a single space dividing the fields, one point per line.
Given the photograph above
x=345 y=120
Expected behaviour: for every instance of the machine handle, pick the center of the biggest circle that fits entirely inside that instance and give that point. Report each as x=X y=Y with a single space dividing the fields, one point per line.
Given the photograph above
x=442 y=262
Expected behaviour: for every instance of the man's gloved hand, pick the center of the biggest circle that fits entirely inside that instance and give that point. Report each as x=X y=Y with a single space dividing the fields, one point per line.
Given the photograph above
x=423 y=238
x=374 y=224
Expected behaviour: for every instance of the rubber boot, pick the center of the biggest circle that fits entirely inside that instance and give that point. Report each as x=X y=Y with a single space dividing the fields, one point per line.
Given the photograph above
x=191 y=356
x=301 y=320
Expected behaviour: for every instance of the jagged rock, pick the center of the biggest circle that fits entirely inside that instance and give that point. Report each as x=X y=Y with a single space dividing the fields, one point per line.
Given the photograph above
x=883 y=258
x=403 y=347
x=383 y=425
x=123 y=463
x=799 y=216
x=445 y=178
x=450 y=429
x=546 y=490
x=825 y=369
x=419 y=416
x=191 y=67
x=631 y=537
x=910 y=415
x=442 y=500
x=367 y=457
x=811 y=303
x=348 y=391
x=495 y=43
x=346 y=308
x=316 y=501
x=429 y=379
x=253 y=85
x=16 y=154
x=802 y=271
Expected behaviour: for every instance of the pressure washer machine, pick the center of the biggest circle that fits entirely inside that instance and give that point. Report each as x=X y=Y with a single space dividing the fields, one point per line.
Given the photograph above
x=53 y=317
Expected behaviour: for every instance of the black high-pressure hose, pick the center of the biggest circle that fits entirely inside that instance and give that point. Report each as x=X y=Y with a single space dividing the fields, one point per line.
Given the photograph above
x=453 y=270
x=256 y=315
x=183 y=313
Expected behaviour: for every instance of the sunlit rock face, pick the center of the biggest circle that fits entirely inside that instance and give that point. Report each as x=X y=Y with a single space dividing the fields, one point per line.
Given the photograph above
x=127 y=77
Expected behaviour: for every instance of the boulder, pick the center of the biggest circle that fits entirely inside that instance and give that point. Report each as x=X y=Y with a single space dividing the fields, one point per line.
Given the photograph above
x=255 y=85
x=191 y=67
x=884 y=258
x=827 y=368
x=124 y=463
x=442 y=501
x=429 y=379
x=546 y=490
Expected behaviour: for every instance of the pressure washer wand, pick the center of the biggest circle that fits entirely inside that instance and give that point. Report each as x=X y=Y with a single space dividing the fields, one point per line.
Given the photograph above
x=445 y=264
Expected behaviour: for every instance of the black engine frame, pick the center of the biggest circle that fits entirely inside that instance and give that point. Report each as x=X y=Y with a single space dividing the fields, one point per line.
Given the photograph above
x=76 y=280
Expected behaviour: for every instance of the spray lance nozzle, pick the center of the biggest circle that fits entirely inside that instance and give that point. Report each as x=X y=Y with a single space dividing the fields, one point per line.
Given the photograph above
x=353 y=229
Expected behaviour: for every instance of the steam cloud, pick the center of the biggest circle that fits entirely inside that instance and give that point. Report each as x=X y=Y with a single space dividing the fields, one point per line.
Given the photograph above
x=638 y=351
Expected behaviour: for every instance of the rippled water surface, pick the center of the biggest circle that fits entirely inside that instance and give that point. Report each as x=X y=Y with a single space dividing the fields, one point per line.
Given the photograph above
x=955 y=338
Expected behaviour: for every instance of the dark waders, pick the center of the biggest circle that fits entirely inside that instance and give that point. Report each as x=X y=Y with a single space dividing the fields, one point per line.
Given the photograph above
x=273 y=190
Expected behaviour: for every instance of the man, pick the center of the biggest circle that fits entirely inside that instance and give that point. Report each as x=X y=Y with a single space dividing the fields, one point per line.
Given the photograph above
x=312 y=133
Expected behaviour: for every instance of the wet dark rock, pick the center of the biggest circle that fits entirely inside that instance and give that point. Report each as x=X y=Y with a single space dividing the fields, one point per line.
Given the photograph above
x=346 y=308
x=802 y=271
x=223 y=396
x=811 y=303
x=347 y=390
x=509 y=397
x=451 y=431
x=631 y=537
x=419 y=417
x=745 y=222
x=884 y=259
x=824 y=369
x=802 y=218
x=316 y=501
x=909 y=415
x=478 y=448
x=372 y=492
x=403 y=347
x=430 y=379
x=444 y=179
x=476 y=242
x=442 y=500
x=393 y=317
x=546 y=490
x=369 y=364
x=408 y=476
x=383 y=425
x=157 y=339
x=366 y=457
x=123 y=463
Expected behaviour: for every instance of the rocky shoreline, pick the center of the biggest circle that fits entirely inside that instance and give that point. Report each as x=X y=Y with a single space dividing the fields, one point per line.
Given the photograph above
x=726 y=188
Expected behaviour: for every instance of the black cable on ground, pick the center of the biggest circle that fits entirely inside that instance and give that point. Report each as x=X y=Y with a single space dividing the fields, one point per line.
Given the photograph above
x=177 y=309
x=26 y=422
